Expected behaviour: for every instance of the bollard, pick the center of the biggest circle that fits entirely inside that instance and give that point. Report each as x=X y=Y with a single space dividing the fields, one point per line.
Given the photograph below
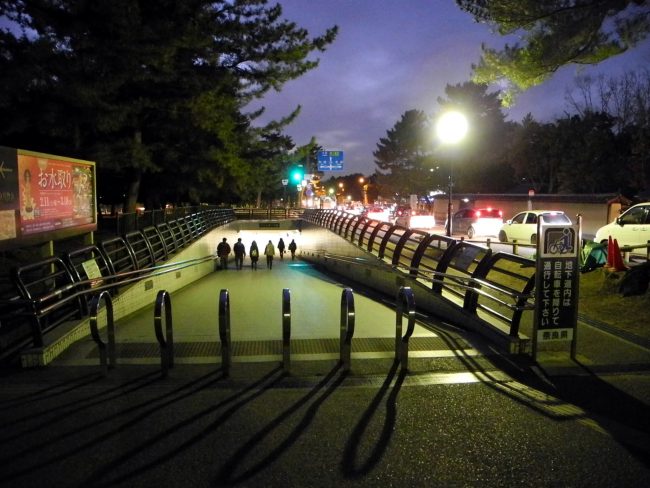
x=404 y=296
x=515 y=247
x=165 y=340
x=286 y=330
x=107 y=358
x=224 y=331
x=347 y=327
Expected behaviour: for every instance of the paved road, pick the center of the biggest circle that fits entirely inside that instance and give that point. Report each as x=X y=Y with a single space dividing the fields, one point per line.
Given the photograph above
x=463 y=415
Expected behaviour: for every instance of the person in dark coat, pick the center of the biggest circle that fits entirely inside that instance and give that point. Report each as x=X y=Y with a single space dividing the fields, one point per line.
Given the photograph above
x=240 y=252
x=281 y=248
x=223 y=250
x=254 y=253
x=292 y=249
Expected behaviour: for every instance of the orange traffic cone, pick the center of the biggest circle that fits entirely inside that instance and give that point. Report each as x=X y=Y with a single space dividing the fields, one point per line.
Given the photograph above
x=610 y=253
x=618 y=263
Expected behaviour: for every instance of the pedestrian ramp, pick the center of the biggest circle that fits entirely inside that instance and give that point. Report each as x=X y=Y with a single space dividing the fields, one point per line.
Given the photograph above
x=237 y=318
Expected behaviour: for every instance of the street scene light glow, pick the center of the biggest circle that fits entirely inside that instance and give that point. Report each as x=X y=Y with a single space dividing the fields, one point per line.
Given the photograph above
x=451 y=127
x=297 y=175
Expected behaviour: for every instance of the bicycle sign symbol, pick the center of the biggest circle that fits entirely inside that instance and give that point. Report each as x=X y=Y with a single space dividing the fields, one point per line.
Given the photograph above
x=560 y=241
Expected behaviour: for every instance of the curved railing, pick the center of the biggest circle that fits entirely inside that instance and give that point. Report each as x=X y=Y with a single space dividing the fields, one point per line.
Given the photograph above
x=497 y=286
x=58 y=289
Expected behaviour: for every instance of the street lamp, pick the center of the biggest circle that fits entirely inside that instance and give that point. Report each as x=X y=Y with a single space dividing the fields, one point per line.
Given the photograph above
x=364 y=187
x=451 y=129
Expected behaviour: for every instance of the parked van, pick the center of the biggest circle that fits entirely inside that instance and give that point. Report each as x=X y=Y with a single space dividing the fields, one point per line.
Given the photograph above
x=631 y=228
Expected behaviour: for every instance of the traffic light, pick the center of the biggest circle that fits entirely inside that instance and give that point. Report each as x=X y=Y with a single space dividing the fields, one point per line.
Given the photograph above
x=297 y=174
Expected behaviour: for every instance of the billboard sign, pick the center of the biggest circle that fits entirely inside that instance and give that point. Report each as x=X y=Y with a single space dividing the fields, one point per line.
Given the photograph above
x=44 y=197
x=330 y=160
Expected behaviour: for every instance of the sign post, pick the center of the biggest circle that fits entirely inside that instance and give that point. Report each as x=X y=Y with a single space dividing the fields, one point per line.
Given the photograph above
x=556 y=287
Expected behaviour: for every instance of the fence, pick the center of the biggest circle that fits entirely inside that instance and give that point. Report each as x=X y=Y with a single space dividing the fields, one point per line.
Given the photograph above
x=494 y=286
x=55 y=290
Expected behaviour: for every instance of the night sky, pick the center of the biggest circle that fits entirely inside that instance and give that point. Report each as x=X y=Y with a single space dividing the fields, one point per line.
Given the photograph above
x=392 y=56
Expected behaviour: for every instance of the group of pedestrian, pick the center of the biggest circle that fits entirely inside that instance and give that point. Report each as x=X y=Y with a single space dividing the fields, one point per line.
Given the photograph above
x=223 y=251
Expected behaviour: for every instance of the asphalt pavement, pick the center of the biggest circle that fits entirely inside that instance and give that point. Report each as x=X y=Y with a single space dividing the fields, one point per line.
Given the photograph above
x=461 y=415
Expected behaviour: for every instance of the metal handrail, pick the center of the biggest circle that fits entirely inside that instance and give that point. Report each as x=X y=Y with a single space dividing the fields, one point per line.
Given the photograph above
x=404 y=296
x=224 y=331
x=346 y=327
x=107 y=358
x=464 y=282
x=115 y=280
x=286 y=330
x=166 y=339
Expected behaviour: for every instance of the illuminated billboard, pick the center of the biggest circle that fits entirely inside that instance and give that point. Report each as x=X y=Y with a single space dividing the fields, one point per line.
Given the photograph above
x=44 y=197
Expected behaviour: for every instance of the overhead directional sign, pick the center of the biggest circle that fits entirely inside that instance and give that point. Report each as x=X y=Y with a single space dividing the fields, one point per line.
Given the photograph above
x=330 y=160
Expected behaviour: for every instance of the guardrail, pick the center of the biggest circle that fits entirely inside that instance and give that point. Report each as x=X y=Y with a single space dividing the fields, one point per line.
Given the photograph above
x=55 y=290
x=627 y=251
x=495 y=285
x=123 y=223
x=268 y=213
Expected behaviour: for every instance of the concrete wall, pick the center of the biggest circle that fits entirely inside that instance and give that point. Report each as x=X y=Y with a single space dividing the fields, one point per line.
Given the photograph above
x=365 y=268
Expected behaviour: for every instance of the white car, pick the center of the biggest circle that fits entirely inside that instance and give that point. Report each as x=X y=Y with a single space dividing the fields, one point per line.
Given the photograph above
x=523 y=226
x=631 y=228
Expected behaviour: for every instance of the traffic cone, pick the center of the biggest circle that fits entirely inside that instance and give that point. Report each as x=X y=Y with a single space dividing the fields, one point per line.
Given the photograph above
x=618 y=263
x=610 y=253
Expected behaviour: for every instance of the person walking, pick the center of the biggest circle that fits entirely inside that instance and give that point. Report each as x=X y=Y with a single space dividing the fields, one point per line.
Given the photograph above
x=240 y=252
x=254 y=253
x=292 y=249
x=281 y=248
x=223 y=250
x=269 y=252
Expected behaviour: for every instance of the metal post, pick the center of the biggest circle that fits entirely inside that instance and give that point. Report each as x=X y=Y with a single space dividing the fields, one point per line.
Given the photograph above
x=404 y=295
x=449 y=203
x=224 y=331
x=106 y=349
x=346 y=327
x=165 y=340
x=286 y=330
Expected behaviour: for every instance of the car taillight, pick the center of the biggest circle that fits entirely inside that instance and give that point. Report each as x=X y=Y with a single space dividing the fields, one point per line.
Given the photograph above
x=477 y=214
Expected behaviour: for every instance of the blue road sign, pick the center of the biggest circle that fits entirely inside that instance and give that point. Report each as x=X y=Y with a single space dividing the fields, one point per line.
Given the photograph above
x=330 y=160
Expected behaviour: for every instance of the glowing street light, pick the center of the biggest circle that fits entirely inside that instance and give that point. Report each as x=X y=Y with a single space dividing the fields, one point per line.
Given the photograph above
x=364 y=187
x=451 y=129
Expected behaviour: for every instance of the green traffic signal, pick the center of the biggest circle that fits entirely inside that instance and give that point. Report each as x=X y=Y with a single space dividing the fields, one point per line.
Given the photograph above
x=297 y=175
